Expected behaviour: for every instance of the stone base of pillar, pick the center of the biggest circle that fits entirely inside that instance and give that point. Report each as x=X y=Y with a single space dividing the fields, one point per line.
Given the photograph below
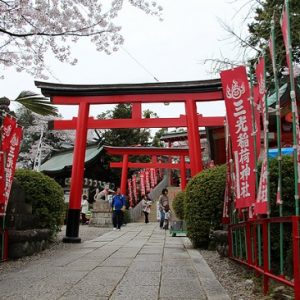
x=101 y=214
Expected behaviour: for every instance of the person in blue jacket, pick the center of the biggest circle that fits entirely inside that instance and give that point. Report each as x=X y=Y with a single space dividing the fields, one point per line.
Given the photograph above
x=118 y=205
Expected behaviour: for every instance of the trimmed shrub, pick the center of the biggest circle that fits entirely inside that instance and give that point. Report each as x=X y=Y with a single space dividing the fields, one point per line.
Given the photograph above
x=46 y=197
x=204 y=198
x=178 y=205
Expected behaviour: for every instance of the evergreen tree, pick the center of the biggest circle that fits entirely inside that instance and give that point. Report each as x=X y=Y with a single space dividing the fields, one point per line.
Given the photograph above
x=124 y=137
x=260 y=28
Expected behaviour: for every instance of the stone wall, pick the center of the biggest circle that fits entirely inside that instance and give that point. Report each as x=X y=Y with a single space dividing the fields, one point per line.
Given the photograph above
x=23 y=238
x=27 y=242
x=101 y=214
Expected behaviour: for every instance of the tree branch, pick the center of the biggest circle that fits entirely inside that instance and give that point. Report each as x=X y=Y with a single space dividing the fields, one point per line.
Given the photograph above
x=242 y=41
x=65 y=33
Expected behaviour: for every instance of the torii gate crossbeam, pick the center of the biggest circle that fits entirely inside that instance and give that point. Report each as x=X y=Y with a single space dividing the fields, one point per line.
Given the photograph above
x=148 y=151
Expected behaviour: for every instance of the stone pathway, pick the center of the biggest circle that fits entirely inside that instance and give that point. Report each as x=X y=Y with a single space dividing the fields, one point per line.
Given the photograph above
x=139 y=262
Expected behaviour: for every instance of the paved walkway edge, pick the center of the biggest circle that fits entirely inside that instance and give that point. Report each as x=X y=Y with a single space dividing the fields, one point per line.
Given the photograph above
x=212 y=287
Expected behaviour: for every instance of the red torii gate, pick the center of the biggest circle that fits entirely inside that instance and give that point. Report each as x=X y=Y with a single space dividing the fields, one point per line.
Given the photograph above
x=148 y=151
x=189 y=93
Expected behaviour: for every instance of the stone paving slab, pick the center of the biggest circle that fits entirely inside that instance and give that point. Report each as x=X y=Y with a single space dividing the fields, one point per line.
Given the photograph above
x=139 y=262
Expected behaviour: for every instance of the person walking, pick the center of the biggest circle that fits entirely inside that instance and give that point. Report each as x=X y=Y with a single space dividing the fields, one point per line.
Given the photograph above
x=118 y=207
x=167 y=219
x=84 y=209
x=163 y=202
x=146 y=204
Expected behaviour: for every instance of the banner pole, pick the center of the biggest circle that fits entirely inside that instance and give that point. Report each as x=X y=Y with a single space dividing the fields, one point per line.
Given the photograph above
x=254 y=127
x=278 y=125
x=294 y=108
x=267 y=162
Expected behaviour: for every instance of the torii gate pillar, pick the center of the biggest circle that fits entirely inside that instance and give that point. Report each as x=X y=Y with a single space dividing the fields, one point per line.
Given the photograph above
x=124 y=174
x=77 y=175
x=193 y=137
x=182 y=173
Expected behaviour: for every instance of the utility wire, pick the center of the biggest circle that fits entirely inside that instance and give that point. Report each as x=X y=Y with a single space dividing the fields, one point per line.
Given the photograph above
x=140 y=64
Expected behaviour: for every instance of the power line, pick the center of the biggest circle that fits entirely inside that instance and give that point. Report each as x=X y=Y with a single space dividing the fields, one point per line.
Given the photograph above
x=140 y=64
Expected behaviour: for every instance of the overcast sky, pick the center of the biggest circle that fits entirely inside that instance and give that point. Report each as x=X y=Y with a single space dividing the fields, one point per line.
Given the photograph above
x=171 y=50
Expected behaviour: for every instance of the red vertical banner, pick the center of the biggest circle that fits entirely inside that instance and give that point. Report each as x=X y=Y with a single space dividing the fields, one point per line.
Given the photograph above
x=261 y=205
x=130 y=192
x=2 y=184
x=152 y=178
x=257 y=109
x=7 y=129
x=11 y=160
x=285 y=34
x=160 y=171
x=287 y=42
x=142 y=183
x=155 y=177
x=238 y=109
x=134 y=188
x=147 y=179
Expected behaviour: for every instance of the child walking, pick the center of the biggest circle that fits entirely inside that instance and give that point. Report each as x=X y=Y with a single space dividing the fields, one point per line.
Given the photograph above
x=167 y=219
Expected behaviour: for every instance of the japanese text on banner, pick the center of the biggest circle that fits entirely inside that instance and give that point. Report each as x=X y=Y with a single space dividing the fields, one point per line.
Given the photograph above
x=238 y=110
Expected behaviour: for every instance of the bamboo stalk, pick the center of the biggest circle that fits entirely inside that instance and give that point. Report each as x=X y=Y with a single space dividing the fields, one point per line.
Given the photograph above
x=294 y=107
x=279 y=157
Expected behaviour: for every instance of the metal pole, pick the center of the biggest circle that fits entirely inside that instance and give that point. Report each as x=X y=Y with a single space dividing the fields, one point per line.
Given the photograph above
x=266 y=256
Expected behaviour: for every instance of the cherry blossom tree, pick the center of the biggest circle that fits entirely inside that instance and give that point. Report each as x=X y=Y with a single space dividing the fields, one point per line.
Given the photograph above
x=38 y=140
x=29 y=28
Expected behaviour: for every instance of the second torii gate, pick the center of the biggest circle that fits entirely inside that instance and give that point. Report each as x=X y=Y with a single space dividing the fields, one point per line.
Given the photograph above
x=125 y=152
x=189 y=93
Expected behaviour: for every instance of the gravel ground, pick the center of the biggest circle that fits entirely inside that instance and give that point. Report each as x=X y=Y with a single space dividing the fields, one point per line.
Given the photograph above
x=239 y=283
x=85 y=232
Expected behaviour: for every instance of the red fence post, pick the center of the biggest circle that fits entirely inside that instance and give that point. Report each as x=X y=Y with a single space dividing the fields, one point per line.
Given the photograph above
x=5 y=236
x=255 y=244
x=249 y=243
x=295 y=221
x=229 y=241
x=265 y=256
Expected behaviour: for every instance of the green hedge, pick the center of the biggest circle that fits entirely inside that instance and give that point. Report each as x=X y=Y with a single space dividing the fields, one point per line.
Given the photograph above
x=178 y=205
x=287 y=186
x=46 y=197
x=204 y=204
